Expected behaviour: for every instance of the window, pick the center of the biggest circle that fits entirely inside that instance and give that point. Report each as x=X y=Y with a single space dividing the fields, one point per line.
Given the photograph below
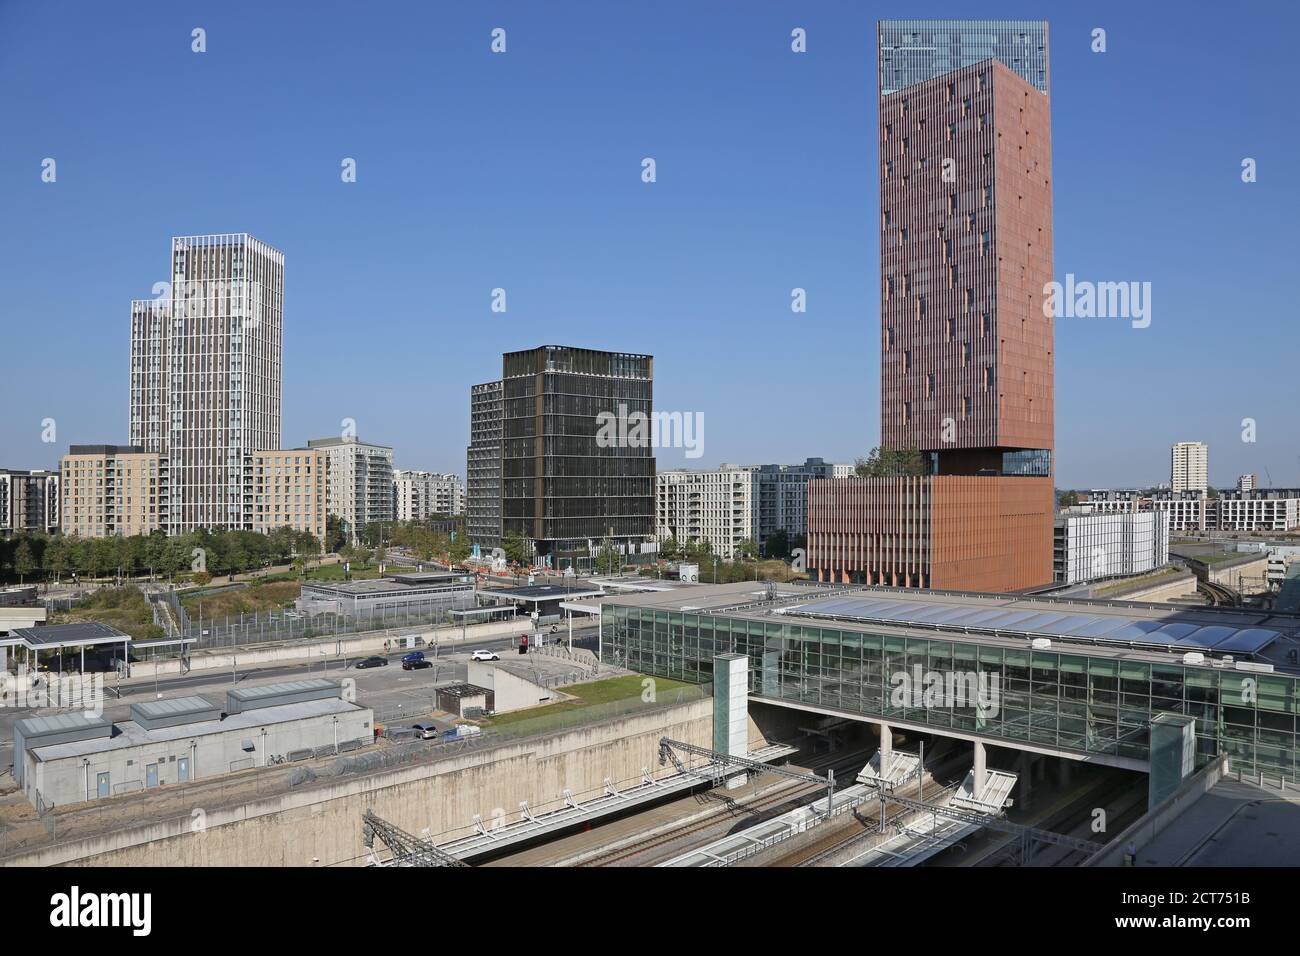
x=965 y=354
x=907 y=360
x=929 y=384
x=965 y=407
x=907 y=412
x=988 y=378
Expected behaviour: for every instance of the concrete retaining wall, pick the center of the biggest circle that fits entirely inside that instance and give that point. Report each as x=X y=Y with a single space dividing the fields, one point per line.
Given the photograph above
x=1168 y=589
x=321 y=824
x=1146 y=829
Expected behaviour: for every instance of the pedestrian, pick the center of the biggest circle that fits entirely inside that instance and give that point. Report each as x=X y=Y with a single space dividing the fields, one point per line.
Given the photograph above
x=1130 y=854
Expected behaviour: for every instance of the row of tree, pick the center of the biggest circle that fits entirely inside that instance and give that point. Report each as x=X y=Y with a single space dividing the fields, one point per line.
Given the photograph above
x=55 y=557
x=891 y=463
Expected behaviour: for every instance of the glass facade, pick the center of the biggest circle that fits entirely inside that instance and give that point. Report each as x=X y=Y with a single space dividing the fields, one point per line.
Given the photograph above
x=1070 y=701
x=913 y=51
x=560 y=485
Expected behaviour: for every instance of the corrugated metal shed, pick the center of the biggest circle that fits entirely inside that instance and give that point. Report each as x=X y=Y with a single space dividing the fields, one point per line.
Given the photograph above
x=154 y=714
x=274 y=695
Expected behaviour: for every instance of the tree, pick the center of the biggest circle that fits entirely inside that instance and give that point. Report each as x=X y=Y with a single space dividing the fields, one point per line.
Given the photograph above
x=334 y=536
x=24 y=560
x=518 y=548
x=747 y=549
x=55 y=560
x=891 y=463
x=777 y=544
x=607 y=558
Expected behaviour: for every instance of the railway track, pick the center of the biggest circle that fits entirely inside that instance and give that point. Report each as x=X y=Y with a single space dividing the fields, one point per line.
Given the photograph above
x=817 y=852
x=793 y=794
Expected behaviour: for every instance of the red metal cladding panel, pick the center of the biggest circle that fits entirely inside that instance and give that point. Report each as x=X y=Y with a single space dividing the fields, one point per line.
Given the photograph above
x=966 y=250
x=976 y=533
x=1023 y=213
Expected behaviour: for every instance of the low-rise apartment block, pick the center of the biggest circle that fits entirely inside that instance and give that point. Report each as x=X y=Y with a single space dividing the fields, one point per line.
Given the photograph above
x=285 y=489
x=113 y=490
x=29 y=500
x=418 y=495
x=359 y=477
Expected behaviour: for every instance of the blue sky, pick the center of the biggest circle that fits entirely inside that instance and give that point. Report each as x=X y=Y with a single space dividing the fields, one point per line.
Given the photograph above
x=522 y=171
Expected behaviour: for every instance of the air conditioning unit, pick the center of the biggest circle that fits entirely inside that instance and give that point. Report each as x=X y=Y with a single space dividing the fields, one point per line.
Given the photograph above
x=1040 y=644
x=1255 y=666
x=1193 y=657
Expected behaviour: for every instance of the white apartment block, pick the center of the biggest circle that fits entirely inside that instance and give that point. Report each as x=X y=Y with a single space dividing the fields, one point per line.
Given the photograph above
x=359 y=481
x=1088 y=547
x=1189 y=467
x=719 y=507
x=1264 y=509
x=206 y=363
x=29 y=500
x=783 y=495
x=1260 y=509
x=1247 y=482
x=422 y=494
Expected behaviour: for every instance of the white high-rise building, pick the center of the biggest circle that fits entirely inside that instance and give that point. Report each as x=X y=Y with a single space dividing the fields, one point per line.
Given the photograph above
x=1088 y=547
x=1189 y=467
x=206 y=367
x=359 y=481
x=719 y=507
x=421 y=494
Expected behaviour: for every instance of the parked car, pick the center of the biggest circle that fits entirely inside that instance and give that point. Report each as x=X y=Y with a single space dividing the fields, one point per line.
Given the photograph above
x=426 y=731
x=372 y=662
x=482 y=655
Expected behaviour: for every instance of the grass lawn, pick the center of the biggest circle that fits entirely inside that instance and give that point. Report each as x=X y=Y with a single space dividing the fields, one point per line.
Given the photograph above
x=596 y=692
x=262 y=596
x=1213 y=557
x=123 y=608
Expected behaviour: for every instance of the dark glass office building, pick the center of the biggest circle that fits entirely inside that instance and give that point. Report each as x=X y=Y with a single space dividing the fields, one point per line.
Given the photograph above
x=562 y=486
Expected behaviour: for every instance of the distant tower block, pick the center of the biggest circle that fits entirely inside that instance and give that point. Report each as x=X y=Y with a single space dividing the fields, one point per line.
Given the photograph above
x=731 y=708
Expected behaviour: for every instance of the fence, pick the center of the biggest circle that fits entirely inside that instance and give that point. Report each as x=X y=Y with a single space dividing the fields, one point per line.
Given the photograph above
x=288 y=626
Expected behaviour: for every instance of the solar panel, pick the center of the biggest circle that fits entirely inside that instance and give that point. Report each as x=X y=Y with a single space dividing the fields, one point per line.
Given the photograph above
x=1103 y=629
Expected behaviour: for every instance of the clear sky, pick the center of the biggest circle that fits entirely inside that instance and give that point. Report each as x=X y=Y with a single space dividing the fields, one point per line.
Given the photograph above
x=522 y=171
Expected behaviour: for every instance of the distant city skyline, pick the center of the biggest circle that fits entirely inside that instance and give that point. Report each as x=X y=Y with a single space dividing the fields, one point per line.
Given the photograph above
x=763 y=186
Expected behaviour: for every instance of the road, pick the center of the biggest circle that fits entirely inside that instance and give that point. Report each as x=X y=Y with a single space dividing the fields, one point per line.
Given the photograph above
x=384 y=689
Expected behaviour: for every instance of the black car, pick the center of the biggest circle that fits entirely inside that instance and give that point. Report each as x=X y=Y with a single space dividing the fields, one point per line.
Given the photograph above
x=372 y=662
x=415 y=663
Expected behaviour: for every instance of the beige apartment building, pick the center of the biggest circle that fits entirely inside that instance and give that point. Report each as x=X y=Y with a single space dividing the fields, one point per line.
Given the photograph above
x=123 y=490
x=285 y=488
x=112 y=489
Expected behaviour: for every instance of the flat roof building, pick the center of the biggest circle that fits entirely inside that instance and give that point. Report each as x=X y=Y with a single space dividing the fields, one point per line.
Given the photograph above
x=1072 y=678
x=376 y=598
x=70 y=758
x=966 y=326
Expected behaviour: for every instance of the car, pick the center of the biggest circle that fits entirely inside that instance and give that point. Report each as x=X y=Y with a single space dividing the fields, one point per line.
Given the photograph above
x=415 y=664
x=481 y=655
x=371 y=662
x=426 y=731
x=413 y=656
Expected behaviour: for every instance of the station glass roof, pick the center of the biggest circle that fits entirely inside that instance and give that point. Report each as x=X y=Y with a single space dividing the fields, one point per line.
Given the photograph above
x=1072 y=625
